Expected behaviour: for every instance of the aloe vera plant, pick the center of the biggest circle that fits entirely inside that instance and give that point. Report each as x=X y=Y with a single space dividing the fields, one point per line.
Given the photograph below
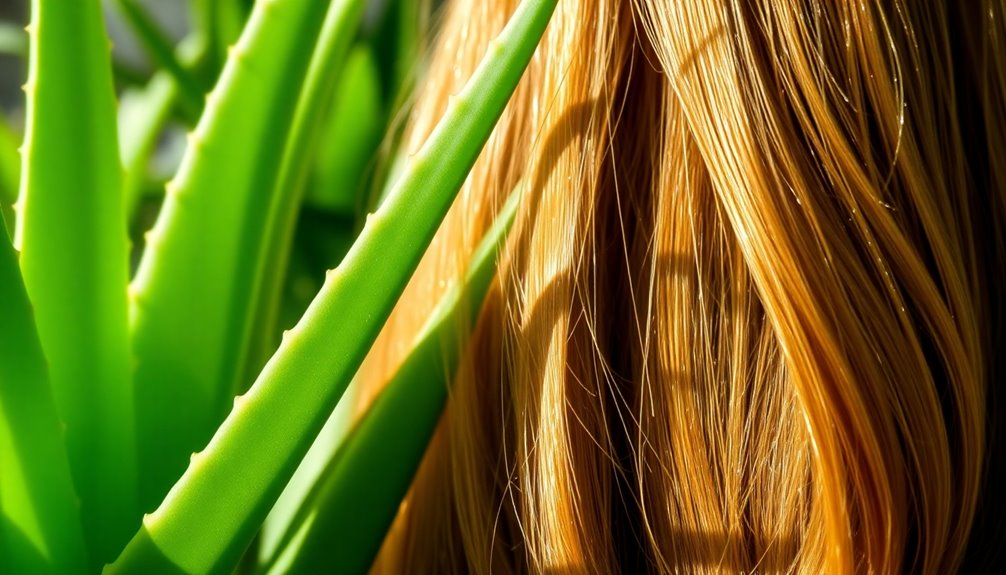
x=125 y=445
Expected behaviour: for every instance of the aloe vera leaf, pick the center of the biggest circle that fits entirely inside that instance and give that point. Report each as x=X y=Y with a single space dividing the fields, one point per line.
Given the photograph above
x=161 y=52
x=41 y=531
x=316 y=98
x=337 y=175
x=272 y=537
x=205 y=248
x=237 y=478
x=373 y=468
x=72 y=235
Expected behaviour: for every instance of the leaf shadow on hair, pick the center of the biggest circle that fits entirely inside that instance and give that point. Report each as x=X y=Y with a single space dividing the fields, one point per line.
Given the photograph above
x=623 y=513
x=559 y=301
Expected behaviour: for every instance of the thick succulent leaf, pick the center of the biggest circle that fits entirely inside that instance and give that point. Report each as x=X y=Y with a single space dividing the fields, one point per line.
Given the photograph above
x=72 y=236
x=192 y=298
x=41 y=530
x=371 y=471
x=237 y=478
x=334 y=191
x=302 y=145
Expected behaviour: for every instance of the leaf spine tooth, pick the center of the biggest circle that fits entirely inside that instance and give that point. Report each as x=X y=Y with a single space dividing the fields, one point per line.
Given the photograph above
x=332 y=274
x=171 y=187
x=29 y=28
x=495 y=46
x=195 y=458
x=239 y=400
x=29 y=86
x=194 y=138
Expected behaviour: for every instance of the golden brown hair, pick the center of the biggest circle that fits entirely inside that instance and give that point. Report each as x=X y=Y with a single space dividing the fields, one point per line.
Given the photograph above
x=747 y=319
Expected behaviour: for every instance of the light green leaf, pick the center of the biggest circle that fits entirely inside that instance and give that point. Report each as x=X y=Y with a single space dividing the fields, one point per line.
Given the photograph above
x=72 y=235
x=371 y=471
x=205 y=250
x=40 y=530
x=299 y=157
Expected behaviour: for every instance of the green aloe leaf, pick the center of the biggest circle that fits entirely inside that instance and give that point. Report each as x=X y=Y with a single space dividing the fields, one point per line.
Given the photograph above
x=203 y=253
x=72 y=235
x=41 y=530
x=373 y=468
x=302 y=145
x=237 y=478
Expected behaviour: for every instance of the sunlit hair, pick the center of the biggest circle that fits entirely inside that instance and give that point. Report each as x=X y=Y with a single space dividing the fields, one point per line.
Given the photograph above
x=748 y=318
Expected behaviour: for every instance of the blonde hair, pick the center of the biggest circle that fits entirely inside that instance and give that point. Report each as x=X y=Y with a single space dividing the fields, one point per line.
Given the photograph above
x=746 y=319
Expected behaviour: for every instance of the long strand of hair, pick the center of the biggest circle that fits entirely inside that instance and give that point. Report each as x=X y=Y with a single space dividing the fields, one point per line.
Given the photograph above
x=747 y=318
